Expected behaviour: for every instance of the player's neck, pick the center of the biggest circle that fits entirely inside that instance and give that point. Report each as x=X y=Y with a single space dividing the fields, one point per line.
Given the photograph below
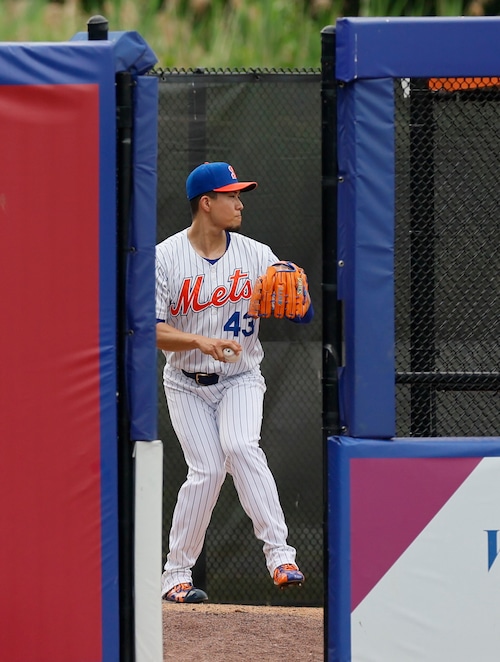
x=206 y=242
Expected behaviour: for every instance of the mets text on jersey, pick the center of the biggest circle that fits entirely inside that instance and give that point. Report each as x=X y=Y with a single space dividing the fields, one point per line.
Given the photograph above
x=240 y=288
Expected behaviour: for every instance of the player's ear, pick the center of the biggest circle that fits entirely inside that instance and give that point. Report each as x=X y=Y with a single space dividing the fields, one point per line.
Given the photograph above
x=204 y=203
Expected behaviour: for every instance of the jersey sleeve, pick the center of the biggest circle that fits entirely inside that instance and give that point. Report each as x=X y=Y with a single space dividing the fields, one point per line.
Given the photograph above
x=162 y=292
x=271 y=258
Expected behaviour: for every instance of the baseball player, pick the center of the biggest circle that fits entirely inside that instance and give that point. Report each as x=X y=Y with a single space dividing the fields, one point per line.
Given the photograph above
x=212 y=379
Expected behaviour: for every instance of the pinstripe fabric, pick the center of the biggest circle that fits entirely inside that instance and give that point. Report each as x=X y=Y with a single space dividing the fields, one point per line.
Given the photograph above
x=218 y=426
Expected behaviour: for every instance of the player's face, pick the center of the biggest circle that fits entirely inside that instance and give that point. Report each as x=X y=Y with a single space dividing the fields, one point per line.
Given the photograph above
x=226 y=210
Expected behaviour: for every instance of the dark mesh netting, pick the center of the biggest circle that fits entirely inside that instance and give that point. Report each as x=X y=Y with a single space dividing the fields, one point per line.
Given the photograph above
x=268 y=126
x=447 y=258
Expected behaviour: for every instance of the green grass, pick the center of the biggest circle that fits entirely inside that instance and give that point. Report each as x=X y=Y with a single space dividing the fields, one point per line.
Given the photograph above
x=208 y=33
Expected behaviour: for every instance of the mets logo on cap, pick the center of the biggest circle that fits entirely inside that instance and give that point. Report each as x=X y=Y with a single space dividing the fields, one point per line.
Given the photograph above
x=217 y=176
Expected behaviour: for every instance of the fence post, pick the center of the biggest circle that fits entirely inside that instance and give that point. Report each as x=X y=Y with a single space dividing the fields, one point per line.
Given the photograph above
x=97 y=28
x=331 y=317
x=124 y=109
x=330 y=304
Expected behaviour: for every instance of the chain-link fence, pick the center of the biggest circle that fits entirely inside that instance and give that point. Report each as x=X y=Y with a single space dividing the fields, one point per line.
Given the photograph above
x=447 y=257
x=267 y=125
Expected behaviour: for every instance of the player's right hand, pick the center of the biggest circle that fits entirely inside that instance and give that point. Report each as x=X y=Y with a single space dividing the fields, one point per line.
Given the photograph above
x=214 y=347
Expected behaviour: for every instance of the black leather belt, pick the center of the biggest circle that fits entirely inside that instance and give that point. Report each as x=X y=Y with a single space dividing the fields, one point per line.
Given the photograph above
x=203 y=378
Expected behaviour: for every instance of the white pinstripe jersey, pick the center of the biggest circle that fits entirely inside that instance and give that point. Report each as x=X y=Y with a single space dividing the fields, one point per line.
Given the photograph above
x=196 y=296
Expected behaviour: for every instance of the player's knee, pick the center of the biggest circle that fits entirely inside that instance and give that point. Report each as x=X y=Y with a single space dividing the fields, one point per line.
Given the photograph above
x=239 y=452
x=215 y=475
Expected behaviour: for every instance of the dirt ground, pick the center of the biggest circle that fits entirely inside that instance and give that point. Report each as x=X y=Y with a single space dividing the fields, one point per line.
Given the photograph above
x=240 y=633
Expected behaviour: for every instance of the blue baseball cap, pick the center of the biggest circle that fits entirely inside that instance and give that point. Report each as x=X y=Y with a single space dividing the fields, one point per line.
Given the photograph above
x=217 y=176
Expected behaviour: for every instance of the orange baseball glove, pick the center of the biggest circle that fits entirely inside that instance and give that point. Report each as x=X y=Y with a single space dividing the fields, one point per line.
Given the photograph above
x=281 y=292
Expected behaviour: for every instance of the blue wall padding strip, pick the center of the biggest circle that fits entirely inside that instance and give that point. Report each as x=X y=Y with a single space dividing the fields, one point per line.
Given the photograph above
x=36 y=62
x=421 y=447
x=337 y=609
x=107 y=306
x=417 y=47
x=366 y=249
x=141 y=318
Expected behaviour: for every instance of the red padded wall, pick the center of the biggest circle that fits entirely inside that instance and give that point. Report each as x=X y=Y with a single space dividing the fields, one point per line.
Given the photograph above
x=49 y=373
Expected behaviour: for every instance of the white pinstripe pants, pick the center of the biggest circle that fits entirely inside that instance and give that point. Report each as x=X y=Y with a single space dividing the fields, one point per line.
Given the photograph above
x=218 y=428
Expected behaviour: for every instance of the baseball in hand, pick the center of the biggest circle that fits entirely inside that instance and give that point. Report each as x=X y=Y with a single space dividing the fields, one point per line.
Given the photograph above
x=230 y=355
